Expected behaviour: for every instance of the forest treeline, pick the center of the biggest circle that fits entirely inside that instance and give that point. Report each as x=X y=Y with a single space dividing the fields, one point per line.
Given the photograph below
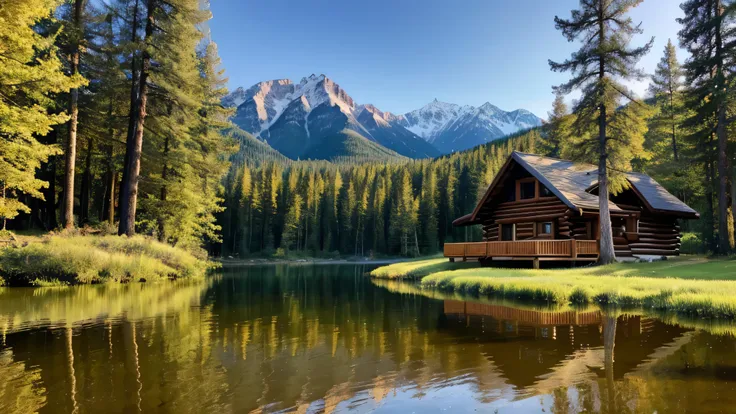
x=359 y=208
x=110 y=112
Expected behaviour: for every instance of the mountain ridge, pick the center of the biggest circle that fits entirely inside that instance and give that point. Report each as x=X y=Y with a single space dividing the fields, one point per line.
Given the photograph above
x=303 y=119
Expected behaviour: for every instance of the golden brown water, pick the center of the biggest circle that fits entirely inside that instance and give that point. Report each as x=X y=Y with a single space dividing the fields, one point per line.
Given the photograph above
x=327 y=339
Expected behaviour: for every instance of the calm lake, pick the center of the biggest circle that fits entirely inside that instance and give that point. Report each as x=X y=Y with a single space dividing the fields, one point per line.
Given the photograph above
x=327 y=339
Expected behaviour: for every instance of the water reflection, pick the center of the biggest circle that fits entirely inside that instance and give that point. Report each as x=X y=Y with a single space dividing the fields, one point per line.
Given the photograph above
x=324 y=339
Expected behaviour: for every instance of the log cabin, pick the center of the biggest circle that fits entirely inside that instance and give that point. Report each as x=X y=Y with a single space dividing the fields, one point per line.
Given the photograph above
x=546 y=209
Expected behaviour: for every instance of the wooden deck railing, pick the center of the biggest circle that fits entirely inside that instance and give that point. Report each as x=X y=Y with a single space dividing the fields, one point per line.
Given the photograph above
x=523 y=248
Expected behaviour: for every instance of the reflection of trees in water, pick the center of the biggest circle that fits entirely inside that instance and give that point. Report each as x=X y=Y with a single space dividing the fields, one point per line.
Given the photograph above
x=286 y=338
x=693 y=372
x=26 y=308
x=21 y=389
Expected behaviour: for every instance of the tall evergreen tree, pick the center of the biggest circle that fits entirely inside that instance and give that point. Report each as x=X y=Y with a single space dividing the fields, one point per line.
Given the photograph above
x=428 y=210
x=597 y=67
x=557 y=127
x=30 y=74
x=709 y=36
x=666 y=87
x=75 y=38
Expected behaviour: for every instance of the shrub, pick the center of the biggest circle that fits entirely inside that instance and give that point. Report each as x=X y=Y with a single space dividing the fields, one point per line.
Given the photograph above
x=94 y=259
x=692 y=244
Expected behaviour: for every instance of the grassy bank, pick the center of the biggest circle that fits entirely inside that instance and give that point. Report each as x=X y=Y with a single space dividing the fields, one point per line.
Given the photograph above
x=74 y=259
x=694 y=286
x=418 y=269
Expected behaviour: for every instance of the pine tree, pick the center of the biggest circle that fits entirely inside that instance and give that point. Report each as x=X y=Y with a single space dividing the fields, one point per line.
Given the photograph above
x=30 y=73
x=666 y=87
x=75 y=39
x=708 y=35
x=557 y=128
x=292 y=223
x=604 y=58
x=428 y=210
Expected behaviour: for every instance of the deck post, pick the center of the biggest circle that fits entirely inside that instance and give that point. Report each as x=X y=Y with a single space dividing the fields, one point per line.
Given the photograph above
x=452 y=260
x=573 y=249
x=535 y=263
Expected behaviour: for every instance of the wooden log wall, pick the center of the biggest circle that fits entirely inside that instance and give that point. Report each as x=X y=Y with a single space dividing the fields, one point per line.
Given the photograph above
x=490 y=231
x=525 y=214
x=524 y=231
x=565 y=226
x=579 y=227
x=658 y=236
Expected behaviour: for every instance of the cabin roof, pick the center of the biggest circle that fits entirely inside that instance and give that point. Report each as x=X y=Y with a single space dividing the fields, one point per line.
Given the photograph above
x=656 y=197
x=571 y=181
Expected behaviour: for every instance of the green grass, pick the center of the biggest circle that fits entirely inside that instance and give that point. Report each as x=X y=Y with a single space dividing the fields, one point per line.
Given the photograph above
x=694 y=286
x=74 y=259
x=417 y=269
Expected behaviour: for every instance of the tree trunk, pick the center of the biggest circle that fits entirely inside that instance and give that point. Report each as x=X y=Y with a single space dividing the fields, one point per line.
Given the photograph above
x=607 y=253
x=416 y=241
x=357 y=233
x=164 y=175
x=84 y=196
x=733 y=203
x=708 y=216
x=609 y=343
x=135 y=147
x=674 y=124
x=71 y=140
x=2 y=196
x=112 y=176
x=723 y=242
x=132 y=114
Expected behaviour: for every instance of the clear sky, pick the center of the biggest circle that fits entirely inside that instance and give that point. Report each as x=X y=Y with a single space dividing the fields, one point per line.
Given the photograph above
x=401 y=54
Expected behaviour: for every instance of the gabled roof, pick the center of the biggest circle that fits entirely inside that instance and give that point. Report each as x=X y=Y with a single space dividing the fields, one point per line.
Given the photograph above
x=656 y=197
x=568 y=178
x=570 y=181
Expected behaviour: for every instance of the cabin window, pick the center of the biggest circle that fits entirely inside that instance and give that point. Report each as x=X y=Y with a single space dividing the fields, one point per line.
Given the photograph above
x=545 y=228
x=507 y=232
x=544 y=191
x=527 y=190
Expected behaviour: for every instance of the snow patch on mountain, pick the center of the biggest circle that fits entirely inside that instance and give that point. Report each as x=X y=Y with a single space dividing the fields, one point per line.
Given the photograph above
x=436 y=120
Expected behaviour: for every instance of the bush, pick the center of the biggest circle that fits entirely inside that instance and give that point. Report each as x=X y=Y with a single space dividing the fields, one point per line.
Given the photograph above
x=692 y=244
x=94 y=259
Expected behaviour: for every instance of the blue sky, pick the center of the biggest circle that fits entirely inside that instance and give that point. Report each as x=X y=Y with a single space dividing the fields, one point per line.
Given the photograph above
x=401 y=54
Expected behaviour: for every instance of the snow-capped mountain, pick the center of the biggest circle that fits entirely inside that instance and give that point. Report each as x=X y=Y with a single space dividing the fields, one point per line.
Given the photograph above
x=299 y=119
x=450 y=127
x=309 y=117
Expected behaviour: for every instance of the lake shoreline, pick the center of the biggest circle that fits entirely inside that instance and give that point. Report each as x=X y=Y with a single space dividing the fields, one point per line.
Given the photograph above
x=695 y=286
x=310 y=261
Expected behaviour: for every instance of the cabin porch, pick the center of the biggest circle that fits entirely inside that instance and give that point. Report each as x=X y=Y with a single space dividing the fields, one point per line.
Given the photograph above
x=532 y=250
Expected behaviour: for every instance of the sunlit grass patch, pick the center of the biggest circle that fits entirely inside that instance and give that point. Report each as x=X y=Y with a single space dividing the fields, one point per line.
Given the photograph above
x=95 y=259
x=418 y=268
x=620 y=287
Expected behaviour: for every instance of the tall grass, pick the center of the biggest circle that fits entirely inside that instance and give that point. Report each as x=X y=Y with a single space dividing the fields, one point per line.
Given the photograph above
x=693 y=286
x=697 y=297
x=417 y=269
x=59 y=259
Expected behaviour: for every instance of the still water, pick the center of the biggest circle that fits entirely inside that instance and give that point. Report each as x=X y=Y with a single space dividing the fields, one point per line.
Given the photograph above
x=327 y=339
